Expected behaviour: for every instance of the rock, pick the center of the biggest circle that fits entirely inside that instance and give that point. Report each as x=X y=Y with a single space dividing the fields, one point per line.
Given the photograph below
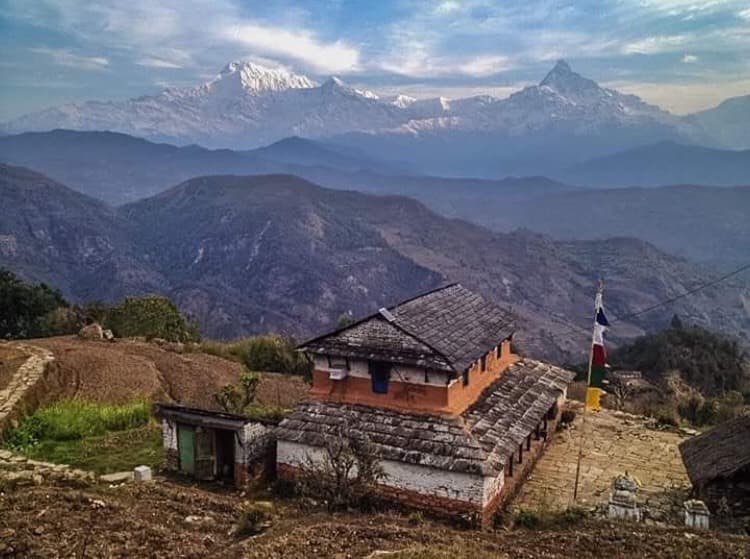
x=117 y=477
x=195 y=519
x=142 y=473
x=91 y=332
x=108 y=335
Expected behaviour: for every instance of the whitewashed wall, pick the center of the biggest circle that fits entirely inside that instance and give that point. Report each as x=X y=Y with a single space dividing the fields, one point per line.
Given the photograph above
x=169 y=434
x=458 y=486
x=359 y=368
x=251 y=441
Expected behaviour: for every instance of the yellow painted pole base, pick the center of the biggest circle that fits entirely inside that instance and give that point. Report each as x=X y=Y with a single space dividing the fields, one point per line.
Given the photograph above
x=593 y=398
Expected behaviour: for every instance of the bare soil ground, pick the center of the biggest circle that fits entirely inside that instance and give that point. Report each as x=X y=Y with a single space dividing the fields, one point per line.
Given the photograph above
x=166 y=519
x=613 y=444
x=125 y=370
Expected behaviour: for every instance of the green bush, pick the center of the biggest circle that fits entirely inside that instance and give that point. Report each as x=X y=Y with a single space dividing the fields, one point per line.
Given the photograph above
x=271 y=352
x=77 y=419
x=150 y=316
x=30 y=311
x=709 y=362
x=526 y=519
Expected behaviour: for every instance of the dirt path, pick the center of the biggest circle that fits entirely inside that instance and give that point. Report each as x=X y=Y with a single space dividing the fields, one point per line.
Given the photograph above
x=25 y=377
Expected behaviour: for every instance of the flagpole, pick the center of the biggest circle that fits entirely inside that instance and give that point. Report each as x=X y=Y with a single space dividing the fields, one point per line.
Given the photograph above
x=597 y=306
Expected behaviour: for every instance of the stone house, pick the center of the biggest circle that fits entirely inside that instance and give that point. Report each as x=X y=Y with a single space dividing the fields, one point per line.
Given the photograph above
x=212 y=445
x=718 y=465
x=456 y=419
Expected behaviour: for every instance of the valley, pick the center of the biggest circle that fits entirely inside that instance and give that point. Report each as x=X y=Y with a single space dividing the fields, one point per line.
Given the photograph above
x=277 y=253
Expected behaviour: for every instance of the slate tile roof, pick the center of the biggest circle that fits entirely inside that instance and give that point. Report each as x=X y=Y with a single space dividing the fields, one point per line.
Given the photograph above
x=478 y=442
x=719 y=452
x=448 y=329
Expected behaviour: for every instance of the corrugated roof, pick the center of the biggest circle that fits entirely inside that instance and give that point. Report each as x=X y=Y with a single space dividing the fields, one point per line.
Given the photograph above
x=478 y=442
x=719 y=452
x=448 y=328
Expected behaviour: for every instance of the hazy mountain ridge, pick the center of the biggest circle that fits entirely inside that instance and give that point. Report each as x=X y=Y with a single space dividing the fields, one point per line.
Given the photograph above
x=702 y=223
x=250 y=254
x=664 y=163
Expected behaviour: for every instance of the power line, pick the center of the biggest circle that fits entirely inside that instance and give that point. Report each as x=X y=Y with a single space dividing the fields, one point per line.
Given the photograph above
x=568 y=325
x=683 y=295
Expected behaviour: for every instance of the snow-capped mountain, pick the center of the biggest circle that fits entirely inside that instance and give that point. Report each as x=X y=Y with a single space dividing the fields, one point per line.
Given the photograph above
x=248 y=105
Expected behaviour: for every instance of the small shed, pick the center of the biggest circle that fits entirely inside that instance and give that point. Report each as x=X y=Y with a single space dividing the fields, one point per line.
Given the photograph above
x=213 y=445
x=718 y=464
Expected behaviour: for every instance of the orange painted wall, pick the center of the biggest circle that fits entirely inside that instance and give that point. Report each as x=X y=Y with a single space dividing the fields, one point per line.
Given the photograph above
x=450 y=400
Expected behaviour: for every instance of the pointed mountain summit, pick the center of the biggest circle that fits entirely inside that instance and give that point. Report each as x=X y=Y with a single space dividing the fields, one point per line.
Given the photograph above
x=563 y=80
x=237 y=77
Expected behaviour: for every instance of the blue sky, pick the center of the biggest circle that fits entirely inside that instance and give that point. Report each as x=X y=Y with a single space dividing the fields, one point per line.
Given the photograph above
x=681 y=54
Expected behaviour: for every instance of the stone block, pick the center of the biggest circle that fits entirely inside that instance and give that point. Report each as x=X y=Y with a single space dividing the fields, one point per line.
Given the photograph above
x=117 y=477
x=696 y=514
x=142 y=473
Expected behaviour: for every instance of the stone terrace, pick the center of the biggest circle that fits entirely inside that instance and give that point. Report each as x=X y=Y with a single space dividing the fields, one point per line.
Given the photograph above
x=615 y=443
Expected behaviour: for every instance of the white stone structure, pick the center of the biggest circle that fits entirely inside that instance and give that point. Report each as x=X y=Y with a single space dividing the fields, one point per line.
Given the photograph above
x=696 y=514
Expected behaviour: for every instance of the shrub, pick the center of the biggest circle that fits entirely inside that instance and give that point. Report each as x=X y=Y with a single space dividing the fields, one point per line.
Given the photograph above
x=347 y=474
x=567 y=417
x=150 y=316
x=415 y=518
x=526 y=519
x=235 y=398
x=709 y=362
x=254 y=518
x=29 y=310
x=271 y=352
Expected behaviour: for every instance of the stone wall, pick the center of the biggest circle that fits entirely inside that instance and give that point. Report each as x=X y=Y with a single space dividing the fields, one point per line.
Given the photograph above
x=26 y=389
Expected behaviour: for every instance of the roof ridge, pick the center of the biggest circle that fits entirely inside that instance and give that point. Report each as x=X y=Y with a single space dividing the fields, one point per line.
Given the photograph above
x=424 y=294
x=377 y=314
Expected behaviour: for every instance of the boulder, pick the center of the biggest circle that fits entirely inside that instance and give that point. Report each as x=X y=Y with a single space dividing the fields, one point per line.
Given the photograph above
x=91 y=332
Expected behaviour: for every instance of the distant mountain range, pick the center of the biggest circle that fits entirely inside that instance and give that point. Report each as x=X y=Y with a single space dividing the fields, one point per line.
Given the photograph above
x=702 y=223
x=664 y=163
x=561 y=122
x=252 y=254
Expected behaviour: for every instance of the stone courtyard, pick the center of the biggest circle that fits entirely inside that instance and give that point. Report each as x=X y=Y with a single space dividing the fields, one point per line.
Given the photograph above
x=614 y=444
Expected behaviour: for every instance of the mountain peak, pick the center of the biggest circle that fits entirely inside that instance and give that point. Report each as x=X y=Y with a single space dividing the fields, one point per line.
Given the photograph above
x=563 y=79
x=250 y=77
x=335 y=84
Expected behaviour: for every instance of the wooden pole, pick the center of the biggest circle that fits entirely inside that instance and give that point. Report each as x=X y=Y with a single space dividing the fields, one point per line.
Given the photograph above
x=597 y=305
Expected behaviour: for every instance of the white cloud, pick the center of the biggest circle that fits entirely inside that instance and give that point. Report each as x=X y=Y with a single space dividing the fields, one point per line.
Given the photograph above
x=65 y=57
x=745 y=14
x=448 y=7
x=656 y=44
x=300 y=45
x=484 y=66
x=156 y=63
x=689 y=59
x=683 y=98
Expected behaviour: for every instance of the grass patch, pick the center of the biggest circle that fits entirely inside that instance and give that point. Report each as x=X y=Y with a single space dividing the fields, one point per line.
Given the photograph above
x=71 y=420
x=90 y=435
x=115 y=451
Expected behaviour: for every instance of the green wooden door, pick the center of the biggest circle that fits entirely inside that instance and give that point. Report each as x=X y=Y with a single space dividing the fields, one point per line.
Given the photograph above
x=186 y=446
